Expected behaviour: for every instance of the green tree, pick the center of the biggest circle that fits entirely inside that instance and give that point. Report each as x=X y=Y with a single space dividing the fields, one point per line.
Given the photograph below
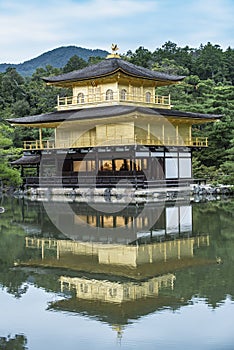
x=210 y=63
x=170 y=67
x=41 y=97
x=142 y=57
x=74 y=63
x=94 y=60
x=170 y=51
x=206 y=96
x=11 y=87
x=21 y=108
x=8 y=176
x=229 y=64
x=228 y=166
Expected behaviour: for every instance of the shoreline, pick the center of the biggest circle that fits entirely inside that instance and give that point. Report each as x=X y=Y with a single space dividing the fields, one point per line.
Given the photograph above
x=193 y=193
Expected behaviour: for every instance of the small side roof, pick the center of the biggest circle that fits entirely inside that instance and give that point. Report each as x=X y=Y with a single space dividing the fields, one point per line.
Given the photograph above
x=110 y=66
x=27 y=160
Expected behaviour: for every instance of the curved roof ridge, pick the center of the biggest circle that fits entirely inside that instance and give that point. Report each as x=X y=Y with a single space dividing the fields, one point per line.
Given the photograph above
x=110 y=66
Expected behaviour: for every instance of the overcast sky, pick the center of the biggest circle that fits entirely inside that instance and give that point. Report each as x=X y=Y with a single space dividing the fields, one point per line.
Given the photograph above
x=29 y=28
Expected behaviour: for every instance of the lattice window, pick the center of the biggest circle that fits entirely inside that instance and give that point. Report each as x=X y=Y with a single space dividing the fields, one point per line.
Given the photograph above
x=109 y=94
x=80 y=98
x=123 y=94
x=148 y=97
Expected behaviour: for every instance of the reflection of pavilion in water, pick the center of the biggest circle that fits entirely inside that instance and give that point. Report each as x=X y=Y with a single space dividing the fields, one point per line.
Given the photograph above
x=116 y=292
x=130 y=277
x=146 y=251
x=75 y=254
x=119 y=283
x=115 y=223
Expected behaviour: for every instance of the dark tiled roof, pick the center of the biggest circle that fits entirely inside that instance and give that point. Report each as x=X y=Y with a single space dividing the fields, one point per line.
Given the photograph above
x=182 y=114
x=43 y=118
x=107 y=111
x=27 y=159
x=110 y=66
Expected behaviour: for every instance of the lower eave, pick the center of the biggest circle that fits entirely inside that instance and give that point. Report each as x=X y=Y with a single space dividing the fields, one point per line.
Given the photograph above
x=57 y=117
x=27 y=160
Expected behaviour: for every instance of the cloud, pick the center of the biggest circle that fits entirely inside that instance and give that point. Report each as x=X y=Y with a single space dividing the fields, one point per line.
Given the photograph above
x=214 y=19
x=52 y=22
x=198 y=21
x=29 y=28
x=111 y=9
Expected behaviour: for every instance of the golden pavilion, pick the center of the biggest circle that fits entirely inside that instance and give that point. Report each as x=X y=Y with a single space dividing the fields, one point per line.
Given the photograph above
x=113 y=129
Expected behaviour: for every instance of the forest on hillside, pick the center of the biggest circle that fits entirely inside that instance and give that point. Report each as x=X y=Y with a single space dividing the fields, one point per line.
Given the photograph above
x=57 y=58
x=207 y=88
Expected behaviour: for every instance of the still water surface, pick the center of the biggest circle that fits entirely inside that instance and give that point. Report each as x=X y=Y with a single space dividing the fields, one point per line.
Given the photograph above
x=82 y=275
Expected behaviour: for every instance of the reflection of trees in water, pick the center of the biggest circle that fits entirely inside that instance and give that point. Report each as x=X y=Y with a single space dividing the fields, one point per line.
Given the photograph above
x=18 y=342
x=14 y=282
x=212 y=282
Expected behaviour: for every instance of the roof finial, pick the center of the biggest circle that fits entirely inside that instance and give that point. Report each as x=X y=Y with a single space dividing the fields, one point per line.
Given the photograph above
x=114 y=54
x=114 y=48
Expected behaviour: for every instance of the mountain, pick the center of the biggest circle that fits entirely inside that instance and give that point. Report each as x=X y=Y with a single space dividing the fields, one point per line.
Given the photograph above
x=56 y=58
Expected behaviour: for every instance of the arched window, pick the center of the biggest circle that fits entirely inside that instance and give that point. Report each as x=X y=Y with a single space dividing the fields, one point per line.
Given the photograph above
x=148 y=97
x=109 y=95
x=123 y=94
x=80 y=98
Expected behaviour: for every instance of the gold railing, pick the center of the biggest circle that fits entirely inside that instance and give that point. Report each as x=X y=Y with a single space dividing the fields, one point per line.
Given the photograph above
x=86 y=142
x=102 y=98
x=37 y=144
x=175 y=141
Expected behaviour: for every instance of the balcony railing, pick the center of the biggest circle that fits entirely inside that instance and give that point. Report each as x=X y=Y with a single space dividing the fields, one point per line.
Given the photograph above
x=37 y=144
x=83 y=142
x=115 y=97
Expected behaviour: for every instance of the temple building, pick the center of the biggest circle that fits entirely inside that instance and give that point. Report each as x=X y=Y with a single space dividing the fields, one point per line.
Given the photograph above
x=113 y=129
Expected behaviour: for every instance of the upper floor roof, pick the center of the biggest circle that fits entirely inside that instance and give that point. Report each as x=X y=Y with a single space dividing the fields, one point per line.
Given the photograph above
x=109 y=67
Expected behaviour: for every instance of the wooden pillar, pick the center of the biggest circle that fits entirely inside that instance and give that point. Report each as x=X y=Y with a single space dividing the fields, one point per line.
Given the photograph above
x=163 y=134
x=22 y=171
x=177 y=134
x=40 y=137
x=113 y=164
x=55 y=137
x=165 y=250
x=191 y=247
x=114 y=221
x=61 y=285
x=178 y=249
x=42 y=249
x=142 y=94
x=129 y=92
x=148 y=133
x=190 y=135
x=58 y=252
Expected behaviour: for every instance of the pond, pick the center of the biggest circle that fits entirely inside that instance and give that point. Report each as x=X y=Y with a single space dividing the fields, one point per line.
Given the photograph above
x=116 y=274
